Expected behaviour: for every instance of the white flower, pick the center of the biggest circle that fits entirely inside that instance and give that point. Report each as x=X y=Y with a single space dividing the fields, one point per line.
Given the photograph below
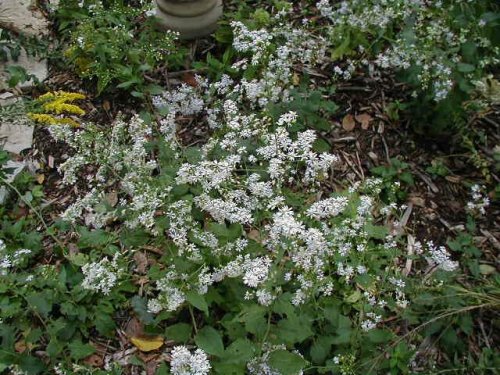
x=185 y=363
x=101 y=276
x=256 y=271
x=440 y=257
x=326 y=208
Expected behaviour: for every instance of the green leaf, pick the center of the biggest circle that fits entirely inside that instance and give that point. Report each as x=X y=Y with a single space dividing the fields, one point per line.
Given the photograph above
x=465 y=68
x=376 y=231
x=141 y=309
x=180 y=332
x=80 y=350
x=94 y=238
x=31 y=365
x=321 y=349
x=286 y=362
x=254 y=318
x=197 y=301
x=134 y=237
x=40 y=302
x=105 y=324
x=209 y=339
x=240 y=352
x=321 y=145
x=354 y=297
x=294 y=329
x=379 y=336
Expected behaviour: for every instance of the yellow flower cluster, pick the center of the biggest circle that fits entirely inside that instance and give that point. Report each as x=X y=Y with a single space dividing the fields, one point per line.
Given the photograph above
x=58 y=103
x=44 y=118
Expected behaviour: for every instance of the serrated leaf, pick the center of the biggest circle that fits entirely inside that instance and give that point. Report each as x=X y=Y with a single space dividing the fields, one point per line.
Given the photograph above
x=80 y=350
x=147 y=343
x=379 y=336
x=354 y=297
x=210 y=340
x=180 y=332
x=286 y=362
x=140 y=308
x=197 y=301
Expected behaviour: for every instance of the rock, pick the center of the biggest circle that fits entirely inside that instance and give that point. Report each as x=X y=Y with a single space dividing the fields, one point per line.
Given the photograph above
x=22 y=16
x=15 y=137
x=32 y=65
x=7 y=98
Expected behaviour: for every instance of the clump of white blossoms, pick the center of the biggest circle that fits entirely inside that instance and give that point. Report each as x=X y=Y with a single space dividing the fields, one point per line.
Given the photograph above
x=430 y=42
x=11 y=259
x=479 y=201
x=254 y=204
x=101 y=276
x=184 y=362
x=439 y=256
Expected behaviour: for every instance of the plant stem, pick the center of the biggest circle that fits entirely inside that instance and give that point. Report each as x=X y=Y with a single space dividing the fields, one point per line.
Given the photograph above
x=39 y=215
x=193 y=319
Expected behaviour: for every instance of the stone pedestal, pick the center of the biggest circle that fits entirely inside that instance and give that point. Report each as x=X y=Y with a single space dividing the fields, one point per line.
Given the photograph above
x=191 y=18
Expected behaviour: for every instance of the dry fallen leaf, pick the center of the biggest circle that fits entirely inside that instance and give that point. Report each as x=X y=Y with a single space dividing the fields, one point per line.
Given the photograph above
x=94 y=360
x=295 y=79
x=141 y=262
x=348 y=123
x=40 y=178
x=190 y=79
x=134 y=328
x=112 y=198
x=147 y=343
x=364 y=119
x=20 y=346
x=254 y=234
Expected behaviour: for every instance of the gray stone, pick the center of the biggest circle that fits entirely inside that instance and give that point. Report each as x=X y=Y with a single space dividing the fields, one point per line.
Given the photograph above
x=15 y=137
x=24 y=17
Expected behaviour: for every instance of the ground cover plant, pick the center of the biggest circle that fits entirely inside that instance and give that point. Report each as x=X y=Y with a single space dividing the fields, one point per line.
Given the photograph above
x=239 y=218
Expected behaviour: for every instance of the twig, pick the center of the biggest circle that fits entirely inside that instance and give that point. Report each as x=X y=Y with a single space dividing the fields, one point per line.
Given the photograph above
x=491 y=238
x=426 y=179
x=352 y=166
x=411 y=250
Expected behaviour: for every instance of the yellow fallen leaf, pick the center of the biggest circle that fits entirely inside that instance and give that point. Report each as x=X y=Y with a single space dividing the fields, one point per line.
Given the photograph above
x=147 y=343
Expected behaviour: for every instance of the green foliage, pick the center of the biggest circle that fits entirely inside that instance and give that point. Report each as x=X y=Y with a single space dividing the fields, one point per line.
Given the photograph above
x=11 y=45
x=396 y=177
x=116 y=44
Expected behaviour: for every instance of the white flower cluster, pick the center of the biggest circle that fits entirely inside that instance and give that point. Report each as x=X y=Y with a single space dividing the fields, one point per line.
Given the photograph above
x=440 y=257
x=328 y=207
x=240 y=186
x=122 y=152
x=101 y=276
x=170 y=297
x=12 y=259
x=479 y=201
x=428 y=43
x=184 y=362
